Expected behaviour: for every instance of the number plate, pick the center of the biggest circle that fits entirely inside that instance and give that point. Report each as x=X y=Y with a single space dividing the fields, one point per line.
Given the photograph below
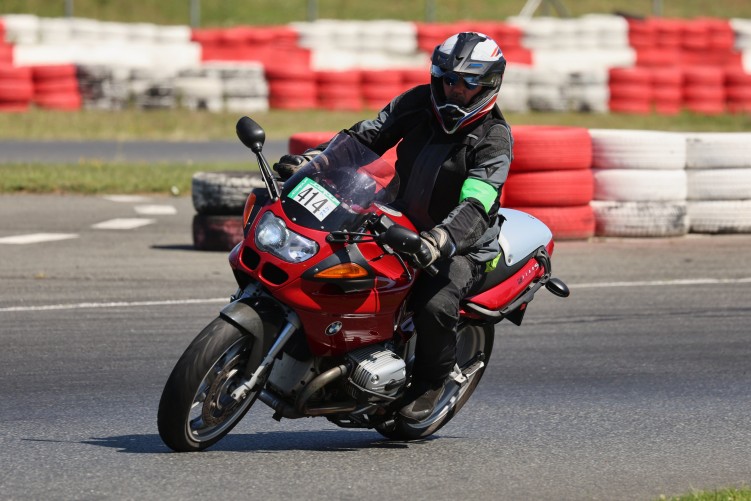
x=314 y=198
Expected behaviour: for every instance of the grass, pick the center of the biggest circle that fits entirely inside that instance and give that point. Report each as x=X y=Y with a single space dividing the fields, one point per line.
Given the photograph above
x=181 y=124
x=95 y=178
x=730 y=494
x=264 y=12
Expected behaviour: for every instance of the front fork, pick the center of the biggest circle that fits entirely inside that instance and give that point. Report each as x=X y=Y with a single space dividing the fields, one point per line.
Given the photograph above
x=239 y=309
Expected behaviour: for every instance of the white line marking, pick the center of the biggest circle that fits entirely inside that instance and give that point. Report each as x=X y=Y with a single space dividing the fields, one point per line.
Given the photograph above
x=125 y=198
x=35 y=238
x=687 y=281
x=124 y=304
x=116 y=304
x=155 y=210
x=122 y=224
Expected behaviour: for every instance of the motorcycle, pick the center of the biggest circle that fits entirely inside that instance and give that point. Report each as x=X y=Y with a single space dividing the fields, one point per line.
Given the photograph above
x=320 y=324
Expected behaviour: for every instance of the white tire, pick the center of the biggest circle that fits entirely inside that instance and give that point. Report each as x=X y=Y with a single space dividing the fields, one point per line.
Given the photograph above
x=637 y=149
x=729 y=216
x=640 y=219
x=719 y=184
x=223 y=193
x=643 y=185
x=718 y=150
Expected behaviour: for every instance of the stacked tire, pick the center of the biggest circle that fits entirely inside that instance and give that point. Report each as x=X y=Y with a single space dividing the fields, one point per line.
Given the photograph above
x=551 y=179
x=292 y=87
x=738 y=90
x=219 y=199
x=339 y=90
x=379 y=87
x=639 y=183
x=719 y=182
x=704 y=89
x=630 y=90
x=16 y=88
x=56 y=87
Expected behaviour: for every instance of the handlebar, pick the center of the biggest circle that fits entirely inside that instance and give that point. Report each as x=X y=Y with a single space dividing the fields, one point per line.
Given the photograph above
x=402 y=240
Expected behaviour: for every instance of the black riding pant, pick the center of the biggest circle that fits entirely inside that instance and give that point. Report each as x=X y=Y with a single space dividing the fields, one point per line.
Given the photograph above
x=435 y=303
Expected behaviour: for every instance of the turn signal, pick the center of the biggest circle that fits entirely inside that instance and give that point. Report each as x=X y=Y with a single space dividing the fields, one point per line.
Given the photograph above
x=343 y=271
x=249 y=204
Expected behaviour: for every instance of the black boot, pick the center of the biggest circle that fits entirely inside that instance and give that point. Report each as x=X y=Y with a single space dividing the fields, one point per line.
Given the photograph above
x=422 y=397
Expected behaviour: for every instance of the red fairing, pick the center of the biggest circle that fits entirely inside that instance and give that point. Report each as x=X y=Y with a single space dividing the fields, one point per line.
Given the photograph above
x=504 y=293
x=366 y=317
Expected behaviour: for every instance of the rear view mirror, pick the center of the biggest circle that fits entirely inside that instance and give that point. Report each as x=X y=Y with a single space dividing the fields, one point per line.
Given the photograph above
x=401 y=239
x=251 y=134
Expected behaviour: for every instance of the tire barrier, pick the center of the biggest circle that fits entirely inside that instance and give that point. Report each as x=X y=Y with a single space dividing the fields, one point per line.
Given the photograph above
x=216 y=233
x=16 y=88
x=550 y=178
x=639 y=183
x=582 y=183
x=219 y=199
x=584 y=64
x=223 y=193
x=640 y=219
x=56 y=87
x=719 y=182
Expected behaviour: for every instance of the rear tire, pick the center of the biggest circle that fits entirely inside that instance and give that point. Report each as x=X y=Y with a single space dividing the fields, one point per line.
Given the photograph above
x=196 y=409
x=471 y=340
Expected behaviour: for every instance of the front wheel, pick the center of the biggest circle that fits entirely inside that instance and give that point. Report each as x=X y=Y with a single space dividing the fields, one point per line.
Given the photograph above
x=471 y=340
x=196 y=409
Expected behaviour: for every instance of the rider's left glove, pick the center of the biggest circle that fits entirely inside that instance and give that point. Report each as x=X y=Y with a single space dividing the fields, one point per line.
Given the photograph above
x=436 y=244
x=289 y=164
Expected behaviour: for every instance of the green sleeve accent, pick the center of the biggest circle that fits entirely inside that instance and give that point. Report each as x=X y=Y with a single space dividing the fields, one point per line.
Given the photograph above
x=480 y=190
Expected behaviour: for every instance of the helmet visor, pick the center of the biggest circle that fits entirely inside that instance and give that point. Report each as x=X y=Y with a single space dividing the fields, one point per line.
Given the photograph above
x=471 y=81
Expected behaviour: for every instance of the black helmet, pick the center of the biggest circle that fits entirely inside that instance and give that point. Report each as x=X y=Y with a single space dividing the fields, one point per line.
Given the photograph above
x=478 y=60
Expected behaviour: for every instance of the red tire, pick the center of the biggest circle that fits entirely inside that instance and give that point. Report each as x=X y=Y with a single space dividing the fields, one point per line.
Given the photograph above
x=551 y=148
x=343 y=103
x=704 y=75
x=8 y=72
x=339 y=78
x=56 y=71
x=292 y=88
x=706 y=107
x=16 y=90
x=302 y=141
x=216 y=233
x=631 y=107
x=67 y=102
x=630 y=91
x=56 y=86
x=566 y=223
x=555 y=188
x=636 y=75
x=14 y=106
x=377 y=78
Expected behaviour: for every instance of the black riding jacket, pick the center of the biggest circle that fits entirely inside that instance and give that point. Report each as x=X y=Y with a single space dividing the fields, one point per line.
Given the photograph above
x=451 y=180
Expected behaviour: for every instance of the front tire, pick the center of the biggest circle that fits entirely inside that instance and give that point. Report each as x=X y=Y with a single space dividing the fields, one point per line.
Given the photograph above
x=470 y=341
x=196 y=409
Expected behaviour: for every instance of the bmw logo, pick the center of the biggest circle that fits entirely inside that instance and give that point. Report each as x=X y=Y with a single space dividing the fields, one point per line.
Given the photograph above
x=333 y=328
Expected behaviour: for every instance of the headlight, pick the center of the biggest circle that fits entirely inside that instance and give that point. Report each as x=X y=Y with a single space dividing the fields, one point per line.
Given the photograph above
x=273 y=236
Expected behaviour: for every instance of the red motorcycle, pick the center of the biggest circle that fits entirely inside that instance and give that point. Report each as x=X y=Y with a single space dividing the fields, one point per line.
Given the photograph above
x=320 y=324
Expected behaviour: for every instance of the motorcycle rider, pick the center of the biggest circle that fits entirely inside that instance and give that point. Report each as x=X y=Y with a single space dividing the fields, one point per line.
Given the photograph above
x=453 y=156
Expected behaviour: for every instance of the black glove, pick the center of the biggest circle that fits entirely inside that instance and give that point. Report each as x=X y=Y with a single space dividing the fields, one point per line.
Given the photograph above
x=289 y=164
x=436 y=245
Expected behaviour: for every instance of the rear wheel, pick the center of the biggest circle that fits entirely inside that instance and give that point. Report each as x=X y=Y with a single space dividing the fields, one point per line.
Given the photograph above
x=471 y=341
x=196 y=409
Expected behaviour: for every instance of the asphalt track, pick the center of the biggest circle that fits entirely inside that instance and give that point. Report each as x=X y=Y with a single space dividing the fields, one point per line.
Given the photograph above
x=637 y=385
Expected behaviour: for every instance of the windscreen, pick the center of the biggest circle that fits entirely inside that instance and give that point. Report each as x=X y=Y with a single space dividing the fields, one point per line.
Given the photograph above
x=336 y=189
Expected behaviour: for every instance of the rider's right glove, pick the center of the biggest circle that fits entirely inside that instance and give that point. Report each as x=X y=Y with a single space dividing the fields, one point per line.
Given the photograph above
x=289 y=164
x=436 y=244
